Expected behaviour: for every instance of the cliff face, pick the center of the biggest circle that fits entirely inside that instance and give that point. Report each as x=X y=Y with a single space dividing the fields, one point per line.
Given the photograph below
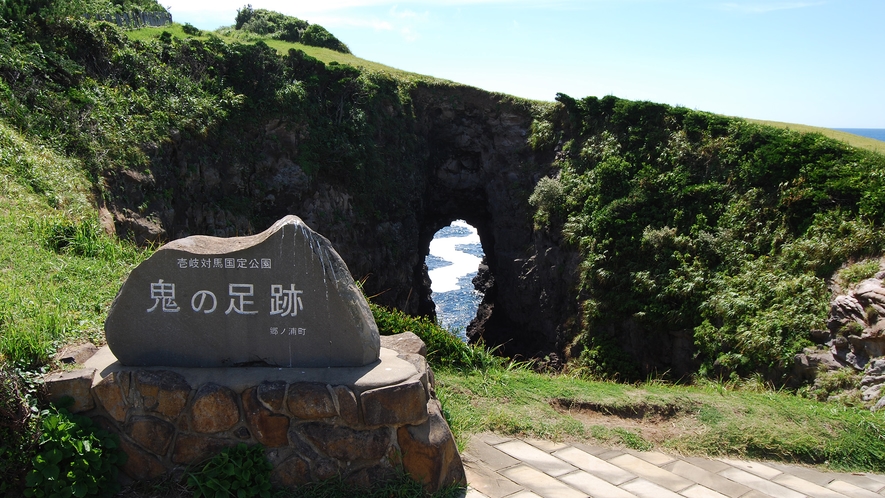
x=453 y=153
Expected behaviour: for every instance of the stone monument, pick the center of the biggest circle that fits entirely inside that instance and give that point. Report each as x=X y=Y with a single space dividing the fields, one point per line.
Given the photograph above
x=281 y=298
x=264 y=339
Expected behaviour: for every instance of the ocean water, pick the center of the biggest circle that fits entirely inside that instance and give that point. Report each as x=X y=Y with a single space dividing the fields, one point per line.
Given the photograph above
x=877 y=133
x=455 y=254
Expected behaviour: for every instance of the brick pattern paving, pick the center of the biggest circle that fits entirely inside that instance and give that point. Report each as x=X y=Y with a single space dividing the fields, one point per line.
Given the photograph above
x=502 y=467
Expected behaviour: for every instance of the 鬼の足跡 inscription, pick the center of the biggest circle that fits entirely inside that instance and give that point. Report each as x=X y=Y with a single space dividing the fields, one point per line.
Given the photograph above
x=282 y=298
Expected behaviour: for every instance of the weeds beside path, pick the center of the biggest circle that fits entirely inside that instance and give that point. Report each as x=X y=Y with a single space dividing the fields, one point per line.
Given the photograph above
x=708 y=420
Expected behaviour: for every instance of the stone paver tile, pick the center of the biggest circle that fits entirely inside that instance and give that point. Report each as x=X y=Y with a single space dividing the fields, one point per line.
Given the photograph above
x=851 y=490
x=541 y=483
x=651 y=472
x=608 y=455
x=876 y=477
x=654 y=457
x=646 y=489
x=707 y=478
x=472 y=493
x=755 y=494
x=698 y=491
x=760 y=484
x=713 y=466
x=491 y=438
x=538 y=459
x=548 y=446
x=861 y=481
x=494 y=458
x=594 y=465
x=592 y=449
x=524 y=494
x=807 y=487
x=488 y=482
x=757 y=468
x=594 y=486
x=809 y=474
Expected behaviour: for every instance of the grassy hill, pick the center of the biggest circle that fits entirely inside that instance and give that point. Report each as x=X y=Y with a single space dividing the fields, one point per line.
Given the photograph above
x=842 y=136
x=229 y=35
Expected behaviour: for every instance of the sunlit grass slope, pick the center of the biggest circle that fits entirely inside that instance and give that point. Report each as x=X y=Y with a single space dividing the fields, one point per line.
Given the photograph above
x=59 y=270
x=325 y=55
x=845 y=137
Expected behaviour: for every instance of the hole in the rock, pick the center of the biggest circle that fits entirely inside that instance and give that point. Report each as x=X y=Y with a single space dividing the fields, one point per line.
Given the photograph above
x=455 y=254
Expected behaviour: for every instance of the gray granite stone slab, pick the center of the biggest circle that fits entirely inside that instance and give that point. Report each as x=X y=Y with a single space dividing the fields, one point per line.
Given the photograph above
x=386 y=371
x=281 y=298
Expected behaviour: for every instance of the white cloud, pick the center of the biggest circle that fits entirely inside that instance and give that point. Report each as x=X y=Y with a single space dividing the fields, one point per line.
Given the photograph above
x=409 y=34
x=405 y=22
x=303 y=8
x=761 y=8
x=358 y=22
x=409 y=14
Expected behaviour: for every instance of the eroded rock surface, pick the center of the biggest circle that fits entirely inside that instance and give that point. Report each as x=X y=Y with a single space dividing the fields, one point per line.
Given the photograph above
x=855 y=339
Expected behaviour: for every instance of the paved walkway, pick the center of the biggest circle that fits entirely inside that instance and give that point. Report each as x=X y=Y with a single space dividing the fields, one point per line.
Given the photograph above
x=499 y=467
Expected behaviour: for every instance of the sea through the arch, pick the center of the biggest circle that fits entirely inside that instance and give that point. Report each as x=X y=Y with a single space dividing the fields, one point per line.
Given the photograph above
x=455 y=254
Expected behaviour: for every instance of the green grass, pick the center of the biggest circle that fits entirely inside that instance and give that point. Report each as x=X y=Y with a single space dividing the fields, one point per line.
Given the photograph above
x=712 y=420
x=60 y=271
x=845 y=137
x=229 y=34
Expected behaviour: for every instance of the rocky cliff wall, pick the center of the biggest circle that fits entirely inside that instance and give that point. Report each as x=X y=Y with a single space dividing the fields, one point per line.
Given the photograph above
x=446 y=153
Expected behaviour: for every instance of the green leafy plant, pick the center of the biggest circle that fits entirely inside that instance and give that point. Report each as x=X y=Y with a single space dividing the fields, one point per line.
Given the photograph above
x=190 y=29
x=74 y=458
x=19 y=434
x=859 y=271
x=444 y=349
x=317 y=36
x=548 y=199
x=241 y=471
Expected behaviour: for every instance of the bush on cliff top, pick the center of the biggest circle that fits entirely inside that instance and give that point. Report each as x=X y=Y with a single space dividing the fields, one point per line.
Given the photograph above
x=287 y=28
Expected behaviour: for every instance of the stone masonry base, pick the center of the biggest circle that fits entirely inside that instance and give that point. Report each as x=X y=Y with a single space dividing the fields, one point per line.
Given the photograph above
x=363 y=424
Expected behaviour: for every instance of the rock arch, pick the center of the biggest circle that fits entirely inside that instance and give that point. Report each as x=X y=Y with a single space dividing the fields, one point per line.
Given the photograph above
x=456 y=153
x=480 y=169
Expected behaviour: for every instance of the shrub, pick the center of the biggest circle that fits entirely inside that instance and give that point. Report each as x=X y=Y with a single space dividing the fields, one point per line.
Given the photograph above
x=190 y=29
x=241 y=471
x=74 y=458
x=317 y=36
x=443 y=348
x=290 y=29
x=244 y=15
x=542 y=135
x=549 y=201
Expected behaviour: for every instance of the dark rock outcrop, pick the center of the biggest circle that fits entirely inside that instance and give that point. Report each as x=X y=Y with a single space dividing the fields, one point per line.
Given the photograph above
x=458 y=153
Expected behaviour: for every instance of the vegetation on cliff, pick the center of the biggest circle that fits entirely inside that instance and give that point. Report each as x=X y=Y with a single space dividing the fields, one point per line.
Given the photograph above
x=689 y=221
x=287 y=28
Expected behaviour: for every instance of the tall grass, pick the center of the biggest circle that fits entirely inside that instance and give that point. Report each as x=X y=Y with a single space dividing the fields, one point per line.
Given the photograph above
x=444 y=349
x=59 y=270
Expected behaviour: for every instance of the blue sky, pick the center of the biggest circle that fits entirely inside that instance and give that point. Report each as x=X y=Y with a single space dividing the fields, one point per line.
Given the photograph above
x=815 y=62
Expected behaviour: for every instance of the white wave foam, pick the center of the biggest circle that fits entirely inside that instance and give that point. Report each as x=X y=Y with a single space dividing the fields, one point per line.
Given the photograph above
x=445 y=279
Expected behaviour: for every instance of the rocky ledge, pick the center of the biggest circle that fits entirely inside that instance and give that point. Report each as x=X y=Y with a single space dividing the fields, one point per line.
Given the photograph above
x=855 y=339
